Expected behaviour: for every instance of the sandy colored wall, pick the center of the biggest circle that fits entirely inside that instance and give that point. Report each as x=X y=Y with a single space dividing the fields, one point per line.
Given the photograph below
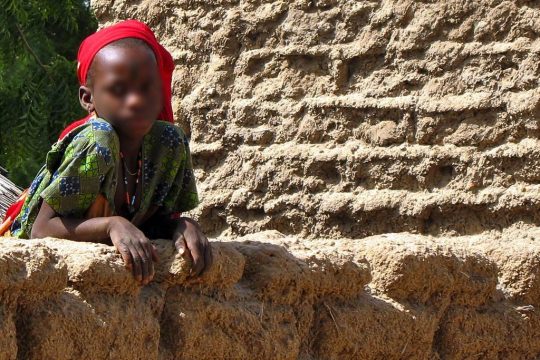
x=343 y=118
x=268 y=297
x=369 y=176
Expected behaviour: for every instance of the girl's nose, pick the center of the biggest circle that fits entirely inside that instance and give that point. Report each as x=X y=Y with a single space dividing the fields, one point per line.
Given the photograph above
x=135 y=100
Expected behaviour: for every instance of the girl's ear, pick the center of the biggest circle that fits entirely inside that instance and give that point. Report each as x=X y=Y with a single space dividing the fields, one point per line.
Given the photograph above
x=86 y=99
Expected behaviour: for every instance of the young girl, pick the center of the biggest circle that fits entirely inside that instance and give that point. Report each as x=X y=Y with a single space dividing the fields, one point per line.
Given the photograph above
x=119 y=175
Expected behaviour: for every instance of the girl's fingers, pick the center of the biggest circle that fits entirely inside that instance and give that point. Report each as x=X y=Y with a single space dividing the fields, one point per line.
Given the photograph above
x=149 y=250
x=137 y=269
x=126 y=256
x=146 y=262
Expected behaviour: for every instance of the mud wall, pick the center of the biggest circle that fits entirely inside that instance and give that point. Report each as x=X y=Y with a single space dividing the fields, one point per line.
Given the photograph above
x=369 y=177
x=272 y=297
x=342 y=118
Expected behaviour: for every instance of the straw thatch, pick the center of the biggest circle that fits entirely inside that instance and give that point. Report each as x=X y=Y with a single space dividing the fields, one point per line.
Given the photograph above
x=9 y=192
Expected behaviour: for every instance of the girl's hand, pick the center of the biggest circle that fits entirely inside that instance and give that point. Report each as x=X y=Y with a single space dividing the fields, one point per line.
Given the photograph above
x=134 y=247
x=188 y=235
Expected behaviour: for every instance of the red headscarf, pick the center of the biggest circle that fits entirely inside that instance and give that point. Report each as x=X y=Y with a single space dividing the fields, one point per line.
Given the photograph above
x=128 y=28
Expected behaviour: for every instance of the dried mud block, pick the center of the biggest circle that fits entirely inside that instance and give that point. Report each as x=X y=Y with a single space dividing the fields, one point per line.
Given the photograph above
x=518 y=259
x=200 y=327
x=338 y=269
x=105 y=326
x=171 y=268
x=525 y=102
x=174 y=269
x=275 y=274
x=503 y=331
x=94 y=267
x=288 y=277
x=340 y=278
x=418 y=270
x=475 y=277
x=8 y=333
x=227 y=267
x=29 y=270
x=371 y=328
x=384 y=133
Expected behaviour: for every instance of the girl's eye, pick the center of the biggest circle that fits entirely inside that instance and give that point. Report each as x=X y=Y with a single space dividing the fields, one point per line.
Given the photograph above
x=145 y=87
x=118 y=90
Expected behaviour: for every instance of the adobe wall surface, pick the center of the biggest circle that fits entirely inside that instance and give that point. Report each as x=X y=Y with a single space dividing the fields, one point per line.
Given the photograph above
x=342 y=118
x=369 y=177
x=395 y=296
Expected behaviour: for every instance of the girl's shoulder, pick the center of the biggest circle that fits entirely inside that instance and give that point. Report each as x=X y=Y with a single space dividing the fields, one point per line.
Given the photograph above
x=98 y=134
x=97 y=130
x=94 y=131
x=95 y=136
x=169 y=135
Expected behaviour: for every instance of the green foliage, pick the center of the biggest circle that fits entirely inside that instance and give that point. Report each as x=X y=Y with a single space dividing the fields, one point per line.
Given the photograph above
x=39 y=40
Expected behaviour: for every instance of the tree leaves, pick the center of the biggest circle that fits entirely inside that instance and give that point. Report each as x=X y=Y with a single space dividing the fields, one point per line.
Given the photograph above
x=39 y=40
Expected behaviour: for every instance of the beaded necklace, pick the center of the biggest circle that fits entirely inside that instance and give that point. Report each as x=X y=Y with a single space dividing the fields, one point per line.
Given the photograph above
x=131 y=204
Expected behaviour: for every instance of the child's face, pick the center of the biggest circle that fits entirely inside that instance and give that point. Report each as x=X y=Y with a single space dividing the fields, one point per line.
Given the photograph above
x=125 y=89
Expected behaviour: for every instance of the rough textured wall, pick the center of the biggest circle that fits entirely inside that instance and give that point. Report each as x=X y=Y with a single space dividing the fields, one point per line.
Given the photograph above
x=382 y=158
x=348 y=118
x=272 y=297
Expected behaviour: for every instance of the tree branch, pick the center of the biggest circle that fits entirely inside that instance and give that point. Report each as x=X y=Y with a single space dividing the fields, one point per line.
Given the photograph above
x=27 y=45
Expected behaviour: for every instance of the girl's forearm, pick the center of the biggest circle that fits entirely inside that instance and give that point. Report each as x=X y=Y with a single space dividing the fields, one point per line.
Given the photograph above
x=91 y=230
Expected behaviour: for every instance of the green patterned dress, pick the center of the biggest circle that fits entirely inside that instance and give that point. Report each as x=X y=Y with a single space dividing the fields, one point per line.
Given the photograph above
x=84 y=164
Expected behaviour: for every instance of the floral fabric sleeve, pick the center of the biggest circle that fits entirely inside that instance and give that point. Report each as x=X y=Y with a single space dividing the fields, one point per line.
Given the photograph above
x=85 y=170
